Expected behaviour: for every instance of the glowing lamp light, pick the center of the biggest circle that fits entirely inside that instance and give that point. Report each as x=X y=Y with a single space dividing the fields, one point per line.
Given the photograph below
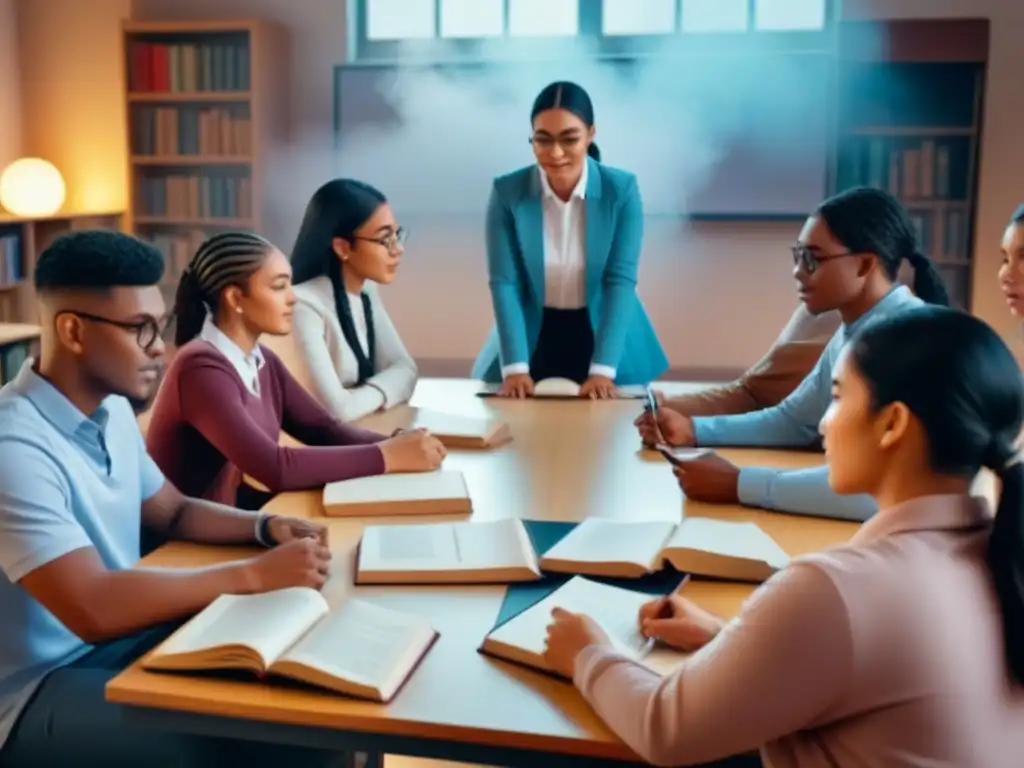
x=32 y=187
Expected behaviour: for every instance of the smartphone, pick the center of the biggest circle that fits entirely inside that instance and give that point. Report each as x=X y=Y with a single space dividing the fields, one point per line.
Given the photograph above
x=679 y=456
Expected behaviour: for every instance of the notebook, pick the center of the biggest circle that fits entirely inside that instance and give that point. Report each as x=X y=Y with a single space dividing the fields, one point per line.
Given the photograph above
x=521 y=639
x=359 y=649
x=565 y=389
x=415 y=493
x=456 y=431
x=447 y=553
x=702 y=546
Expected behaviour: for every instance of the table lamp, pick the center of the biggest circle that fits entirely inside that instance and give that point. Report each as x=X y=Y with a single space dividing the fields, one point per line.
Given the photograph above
x=32 y=187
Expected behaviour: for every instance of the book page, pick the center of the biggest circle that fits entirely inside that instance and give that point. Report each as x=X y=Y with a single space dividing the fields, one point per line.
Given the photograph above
x=556 y=387
x=400 y=487
x=363 y=643
x=444 y=546
x=268 y=623
x=732 y=539
x=452 y=425
x=598 y=540
x=617 y=610
x=631 y=392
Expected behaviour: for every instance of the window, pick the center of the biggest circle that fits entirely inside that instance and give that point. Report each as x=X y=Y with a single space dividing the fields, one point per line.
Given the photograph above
x=638 y=17
x=543 y=18
x=716 y=15
x=472 y=18
x=400 y=19
x=789 y=15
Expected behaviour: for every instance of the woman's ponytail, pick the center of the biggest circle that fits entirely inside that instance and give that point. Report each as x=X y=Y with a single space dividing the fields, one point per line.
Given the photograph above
x=1006 y=559
x=594 y=151
x=189 y=309
x=928 y=283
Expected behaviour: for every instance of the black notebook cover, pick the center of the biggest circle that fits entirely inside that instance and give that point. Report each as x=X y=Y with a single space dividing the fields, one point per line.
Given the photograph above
x=544 y=535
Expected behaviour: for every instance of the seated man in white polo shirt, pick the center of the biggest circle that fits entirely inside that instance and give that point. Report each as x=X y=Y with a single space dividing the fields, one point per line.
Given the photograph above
x=76 y=489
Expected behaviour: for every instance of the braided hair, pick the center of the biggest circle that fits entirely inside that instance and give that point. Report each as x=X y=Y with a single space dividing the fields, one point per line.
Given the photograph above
x=337 y=210
x=226 y=259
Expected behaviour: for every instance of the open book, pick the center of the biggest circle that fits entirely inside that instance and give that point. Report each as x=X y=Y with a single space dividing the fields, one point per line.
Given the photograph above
x=441 y=492
x=359 y=650
x=456 y=431
x=566 y=389
x=447 y=553
x=522 y=638
x=699 y=545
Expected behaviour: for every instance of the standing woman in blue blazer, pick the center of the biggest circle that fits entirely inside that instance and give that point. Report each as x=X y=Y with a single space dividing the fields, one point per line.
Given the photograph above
x=563 y=244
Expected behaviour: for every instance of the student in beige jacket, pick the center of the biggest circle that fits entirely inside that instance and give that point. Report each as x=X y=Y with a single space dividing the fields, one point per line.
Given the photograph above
x=343 y=348
x=903 y=648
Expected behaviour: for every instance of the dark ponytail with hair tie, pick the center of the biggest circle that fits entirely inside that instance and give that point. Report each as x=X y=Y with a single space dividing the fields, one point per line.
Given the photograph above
x=189 y=309
x=928 y=283
x=1005 y=554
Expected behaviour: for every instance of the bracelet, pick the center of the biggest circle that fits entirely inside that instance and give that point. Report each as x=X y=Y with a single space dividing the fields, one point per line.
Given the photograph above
x=262 y=533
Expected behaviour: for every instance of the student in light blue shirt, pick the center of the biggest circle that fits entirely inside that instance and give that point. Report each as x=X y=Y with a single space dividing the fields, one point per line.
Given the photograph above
x=76 y=490
x=846 y=258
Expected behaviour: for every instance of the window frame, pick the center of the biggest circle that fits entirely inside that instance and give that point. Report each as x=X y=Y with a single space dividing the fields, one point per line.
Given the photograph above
x=590 y=34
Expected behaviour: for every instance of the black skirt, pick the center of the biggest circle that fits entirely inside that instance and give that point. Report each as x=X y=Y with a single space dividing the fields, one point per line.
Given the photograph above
x=565 y=347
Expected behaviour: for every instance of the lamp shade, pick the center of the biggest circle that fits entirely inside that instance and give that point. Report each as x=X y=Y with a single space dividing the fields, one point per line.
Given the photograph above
x=32 y=186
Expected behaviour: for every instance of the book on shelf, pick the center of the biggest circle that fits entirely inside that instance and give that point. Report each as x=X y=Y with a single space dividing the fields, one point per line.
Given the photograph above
x=168 y=132
x=191 y=196
x=522 y=638
x=457 y=431
x=11 y=271
x=565 y=389
x=441 y=492
x=218 y=63
x=177 y=250
x=907 y=167
x=495 y=552
x=359 y=649
x=698 y=545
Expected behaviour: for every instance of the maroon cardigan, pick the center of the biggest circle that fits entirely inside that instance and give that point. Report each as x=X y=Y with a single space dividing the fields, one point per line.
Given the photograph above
x=207 y=430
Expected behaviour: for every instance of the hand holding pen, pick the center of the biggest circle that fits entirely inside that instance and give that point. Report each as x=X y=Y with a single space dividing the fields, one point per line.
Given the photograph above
x=677 y=622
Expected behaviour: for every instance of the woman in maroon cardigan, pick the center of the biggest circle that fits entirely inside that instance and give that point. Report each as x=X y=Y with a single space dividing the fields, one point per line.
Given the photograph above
x=226 y=399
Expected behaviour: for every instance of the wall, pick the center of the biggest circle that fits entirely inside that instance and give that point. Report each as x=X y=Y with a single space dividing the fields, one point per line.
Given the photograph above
x=725 y=274
x=73 y=106
x=10 y=85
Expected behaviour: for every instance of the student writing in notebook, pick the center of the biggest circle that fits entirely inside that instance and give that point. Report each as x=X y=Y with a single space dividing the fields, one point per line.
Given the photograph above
x=902 y=648
x=226 y=398
x=343 y=347
x=846 y=259
x=76 y=489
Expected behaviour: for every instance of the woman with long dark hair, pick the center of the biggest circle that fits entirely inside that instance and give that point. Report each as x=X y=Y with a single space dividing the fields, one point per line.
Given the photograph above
x=226 y=398
x=343 y=348
x=902 y=648
x=563 y=248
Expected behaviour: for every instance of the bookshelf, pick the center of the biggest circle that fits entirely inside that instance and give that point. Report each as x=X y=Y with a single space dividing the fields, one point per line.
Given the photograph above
x=21 y=242
x=909 y=121
x=205 y=112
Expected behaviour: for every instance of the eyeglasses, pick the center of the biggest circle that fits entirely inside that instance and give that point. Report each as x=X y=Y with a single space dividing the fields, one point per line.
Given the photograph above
x=392 y=241
x=809 y=260
x=547 y=143
x=146 y=331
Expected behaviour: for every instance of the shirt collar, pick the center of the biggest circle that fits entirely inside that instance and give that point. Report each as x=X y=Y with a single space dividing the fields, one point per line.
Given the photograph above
x=927 y=513
x=246 y=365
x=895 y=297
x=579 y=191
x=54 y=404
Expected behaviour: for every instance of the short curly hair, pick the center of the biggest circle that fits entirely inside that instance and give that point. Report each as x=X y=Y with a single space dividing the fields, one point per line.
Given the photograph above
x=97 y=259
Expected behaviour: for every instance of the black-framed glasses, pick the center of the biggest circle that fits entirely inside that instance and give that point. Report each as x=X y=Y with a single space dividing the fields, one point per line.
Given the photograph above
x=392 y=241
x=547 y=143
x=146 y=331
x=809 y=260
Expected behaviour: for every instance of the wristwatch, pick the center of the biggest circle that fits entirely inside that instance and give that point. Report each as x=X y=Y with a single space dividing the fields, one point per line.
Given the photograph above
x=262 y=532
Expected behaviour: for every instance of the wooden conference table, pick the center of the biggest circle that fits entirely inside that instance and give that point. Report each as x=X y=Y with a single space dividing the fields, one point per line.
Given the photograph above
x=567 y=461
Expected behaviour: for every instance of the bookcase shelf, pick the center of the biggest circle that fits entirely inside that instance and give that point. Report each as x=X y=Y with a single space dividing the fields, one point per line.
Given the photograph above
x=205 y=113
x=21 y=242
x=909 y=121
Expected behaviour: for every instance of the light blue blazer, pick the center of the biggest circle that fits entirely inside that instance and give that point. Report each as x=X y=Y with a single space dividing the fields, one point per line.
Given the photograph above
x=623 y=335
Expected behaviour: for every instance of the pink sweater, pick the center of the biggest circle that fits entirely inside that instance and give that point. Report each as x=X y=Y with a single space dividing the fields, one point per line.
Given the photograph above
x=207 y=430
x=883 y=653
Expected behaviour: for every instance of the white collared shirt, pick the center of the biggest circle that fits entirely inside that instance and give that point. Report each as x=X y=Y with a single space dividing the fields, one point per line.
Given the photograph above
x=247 y=366
x=565 y=256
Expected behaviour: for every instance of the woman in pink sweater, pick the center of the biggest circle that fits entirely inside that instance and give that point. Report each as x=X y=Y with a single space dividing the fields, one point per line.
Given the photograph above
x=901 y=649
x=226 y=398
